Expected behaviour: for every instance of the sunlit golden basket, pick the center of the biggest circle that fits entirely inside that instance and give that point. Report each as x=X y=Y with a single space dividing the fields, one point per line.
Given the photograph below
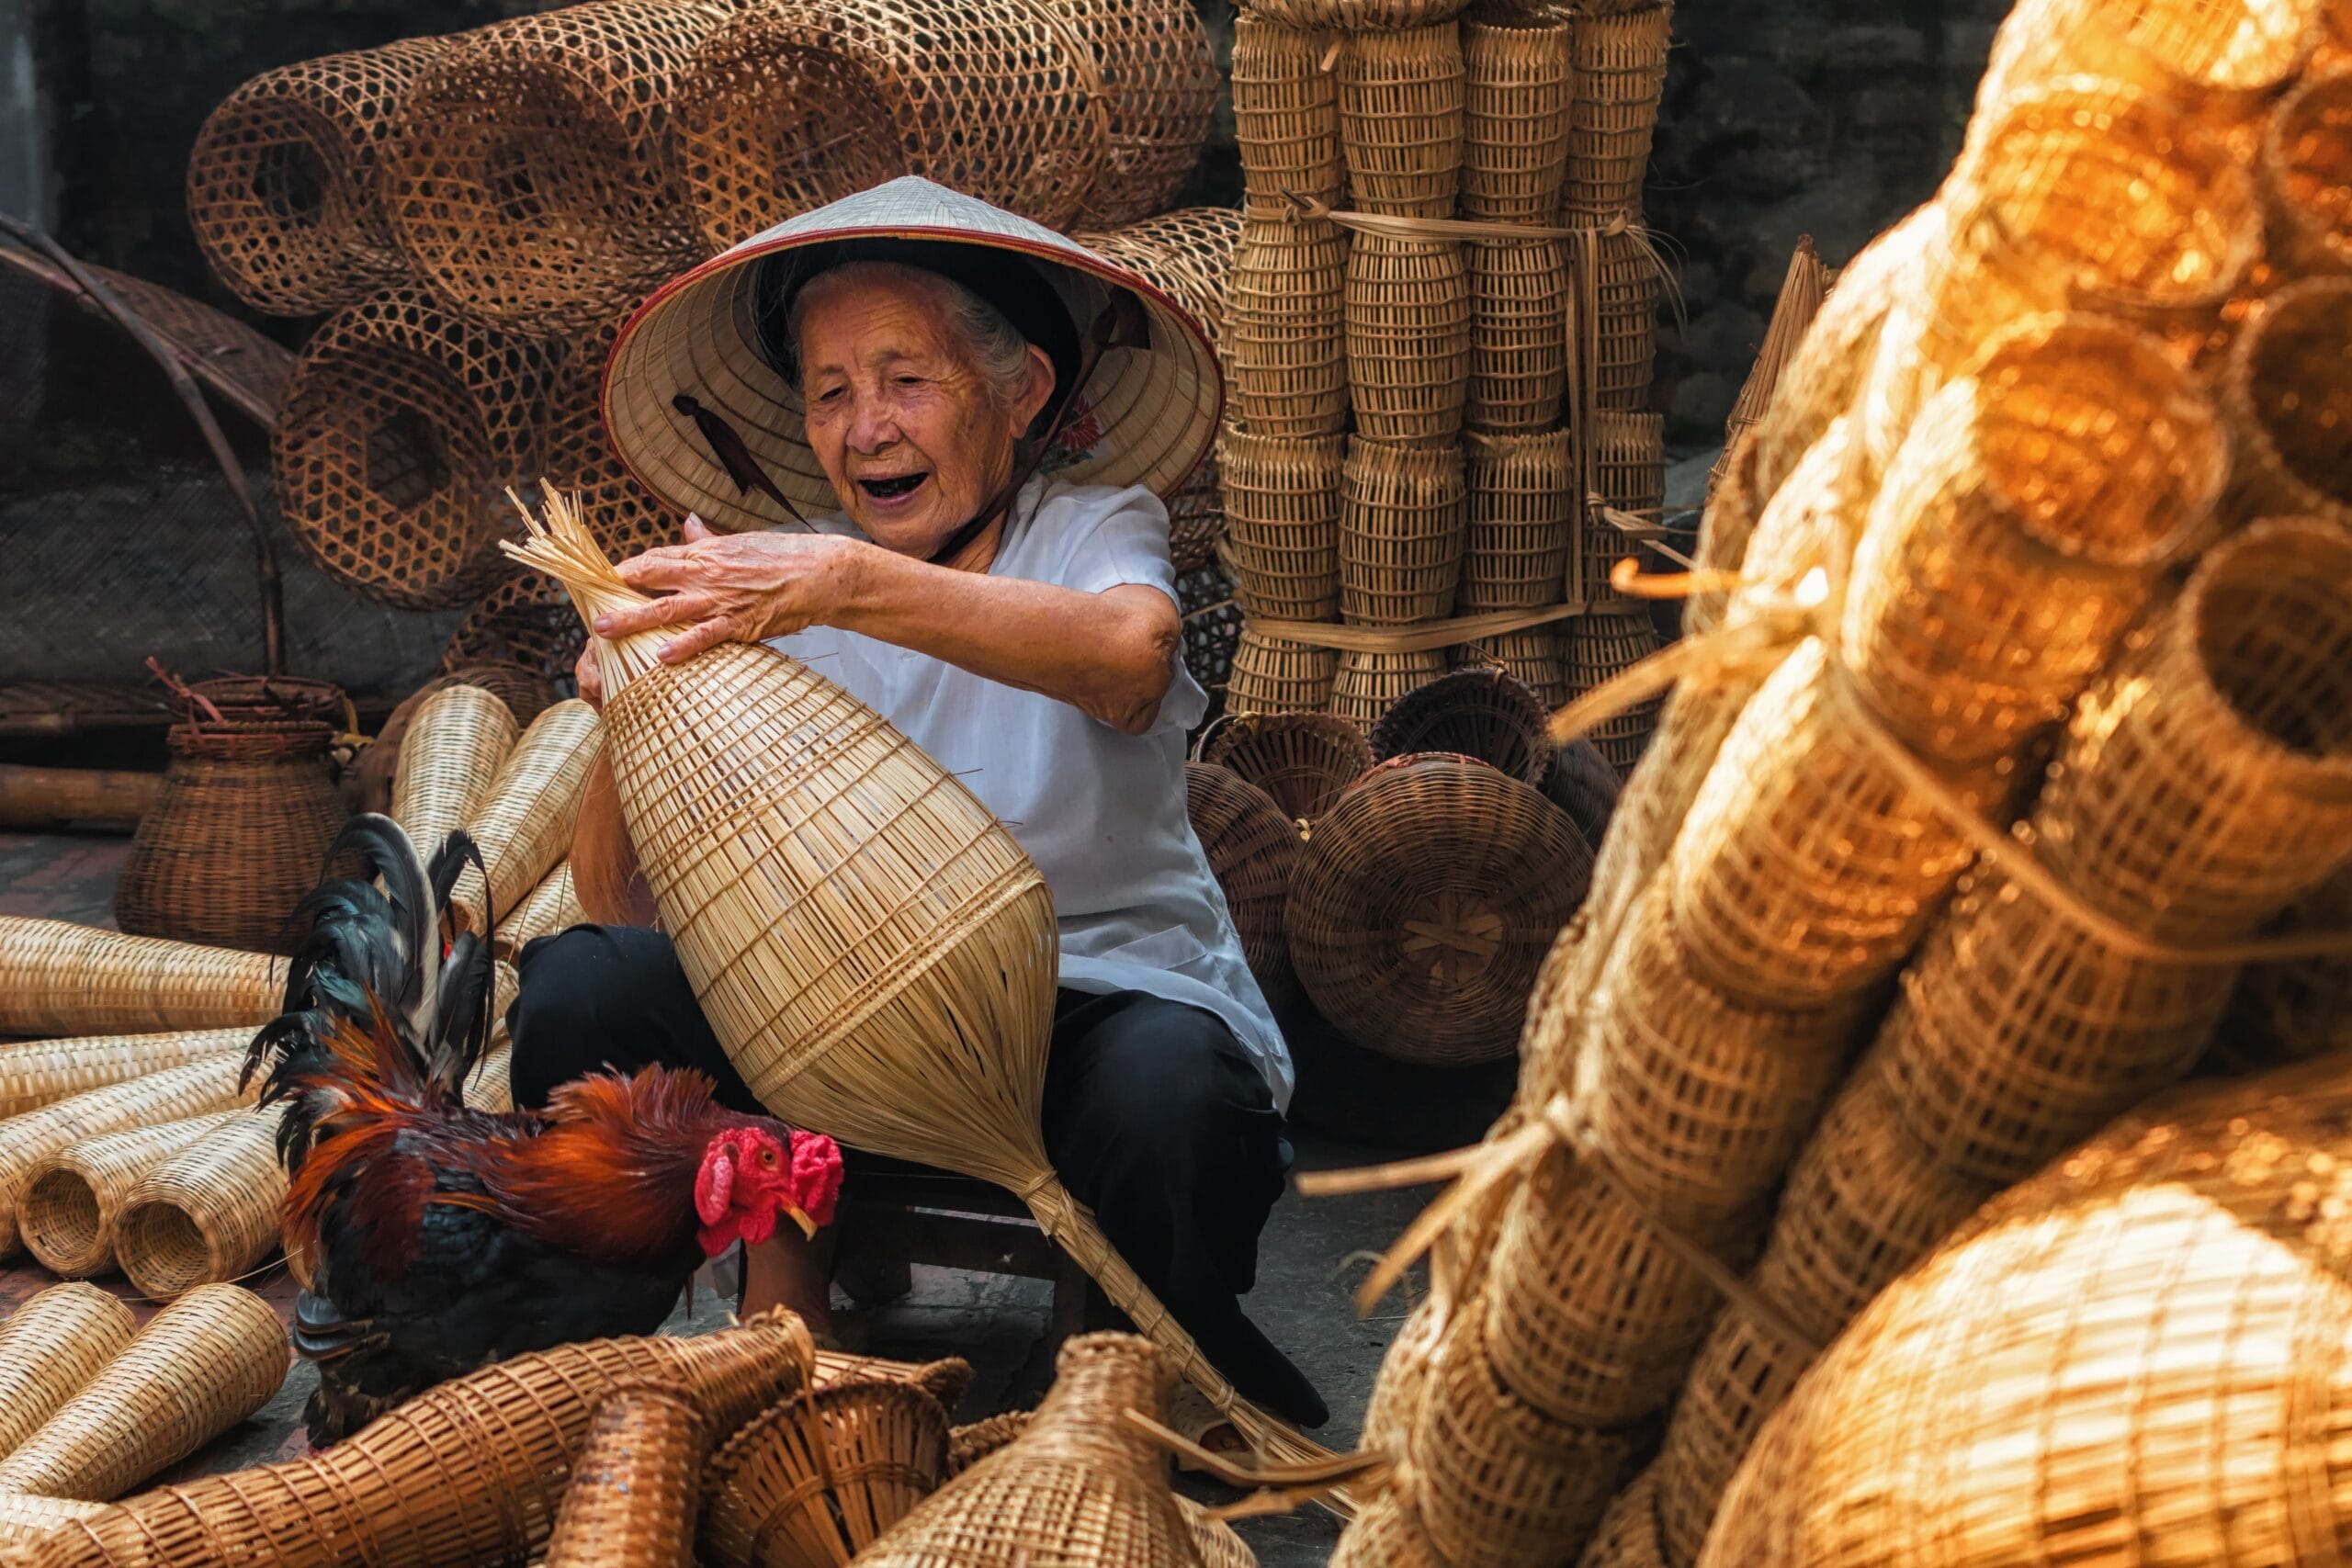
x=57 y=978
x=1519 y=353
x=1533 y=658
x=1285 y=329
x=1407 y=309
x=1620 y=63
x=281 y=182
x=1285 y=112
x=523 y=825
x=1252 y=850
x=1478 y=713
x=1793 y=310
x=1401 y=104
x=34 y=1073
x=1403 y=524
x=1515 y=549
x=1520 y=84
x=1304 y=760
x=2306 y=171
x=823 y=1475
x=1427 y=898
x=1624 y=338
x=1270 y=676
x=1603 y=644
x=1281 y=522
x=1724 y=528
x=449 y=753
x=2288 y=404
x=2221 y=61
x=208 y=1213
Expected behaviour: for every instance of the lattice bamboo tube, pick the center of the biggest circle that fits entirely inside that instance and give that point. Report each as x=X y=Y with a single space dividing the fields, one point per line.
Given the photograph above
x=1519 y=353
x=1281 y=522
x=1620 y=63
x=1515 y=553
x=524 y=824
x=448 y=756
x=58 y=978
x=1285 y=329
x=24 y=1520
x=1365 y=684
x=634 y=1489
x=70 y=1203
x=1402 y=97
x=1286 y=113
x=1603 y=644
x=1159 y=85
x=1403 y=524
x=1533 y=658
x=52 y=1348
x=1624 y=339
x=549 y=907
x=35 y=1073
x=1519 y=82
x=1272 y=676
x=208 y=1214
x=1407 y=304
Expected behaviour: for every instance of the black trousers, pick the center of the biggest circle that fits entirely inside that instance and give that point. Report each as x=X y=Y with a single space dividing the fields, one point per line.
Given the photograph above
x=1155 y=1118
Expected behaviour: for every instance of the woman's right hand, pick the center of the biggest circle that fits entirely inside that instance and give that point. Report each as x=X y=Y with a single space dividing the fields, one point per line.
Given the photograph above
x=591 y=677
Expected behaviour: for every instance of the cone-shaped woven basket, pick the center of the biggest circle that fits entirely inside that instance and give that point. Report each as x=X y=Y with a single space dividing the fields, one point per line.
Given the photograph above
x=1515 y=143
x=1285 y=346
x=1481 y=713
x=522 y=826
x=1402 y=97
x=1252 y=849
x=636 y=1487
x=208 y=1214
x=1306 y=761
x=1281 y=522
x=57 y=978
x=872 y=947
x=70 y=1200
x=200 y=1366
x=551 y=907
x=1270 y=676
x=450 y=754
x=52 y=1348
x=1286 y=113
x=41 y=1072
x=1792 y=312
x=471 y=1472
x=1518 y=334
x=819 y=1478
x=2288 y=409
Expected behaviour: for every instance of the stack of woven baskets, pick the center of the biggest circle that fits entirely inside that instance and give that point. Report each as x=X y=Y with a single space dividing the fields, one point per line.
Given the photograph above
x=1415 y=424
x=2030 y=715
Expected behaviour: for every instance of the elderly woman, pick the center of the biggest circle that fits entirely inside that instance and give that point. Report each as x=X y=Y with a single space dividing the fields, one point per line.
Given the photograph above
x=932 y=355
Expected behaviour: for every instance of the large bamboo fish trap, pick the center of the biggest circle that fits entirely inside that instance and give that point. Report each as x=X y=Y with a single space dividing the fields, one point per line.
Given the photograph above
x=35 y=1073
x=66 y=1215
x=1518 y=85
x=208 y=1213
x=1304 y=760
x=400 y=424
x=471 y=1472
x=1620 y=64
x=1516 y=544
x=822 y=1476
x=2307 y=172
x=1793 y=309
x=1281 y=522
x=281 y=182
x=553 y=123
x=1628 y=477
x=1403 y=524
x=1273 y=676
x=1252 y=850
x=1365 y=686
x=1402 y=100
x=1159 y=84
x=1407 y=304
x=634 y=1488
x=52 y=1348
x=1285 y=328
x=57 y=978
x=450 y=752
x=2288 y=409
x=1286 y=113
x=1480 y=713
x=524 y=824
x=1518 y=343
x=876 y=948
x=24 y=1520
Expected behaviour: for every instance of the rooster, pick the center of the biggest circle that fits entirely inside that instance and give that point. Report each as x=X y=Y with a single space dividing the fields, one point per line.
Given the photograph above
x=441 y=1238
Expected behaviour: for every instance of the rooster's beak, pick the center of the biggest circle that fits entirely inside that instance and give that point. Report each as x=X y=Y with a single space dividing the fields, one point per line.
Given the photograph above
x=800 y=1217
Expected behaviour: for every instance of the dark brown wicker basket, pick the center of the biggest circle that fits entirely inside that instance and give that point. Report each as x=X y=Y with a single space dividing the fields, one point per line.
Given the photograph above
x=1585 y=784
x=1480 y=713
x=1252 y=848
x=1306 y=761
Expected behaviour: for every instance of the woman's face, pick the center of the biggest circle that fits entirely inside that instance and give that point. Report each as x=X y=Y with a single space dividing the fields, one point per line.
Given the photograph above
x=912 y=434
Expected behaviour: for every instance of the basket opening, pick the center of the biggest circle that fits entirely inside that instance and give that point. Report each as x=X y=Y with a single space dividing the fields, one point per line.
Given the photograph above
x=163 y=1249
x=2313 y=145
x=2276 y=643
x=2301 y=395
x=289 y=180
x=62 y=1223
x=407 y=457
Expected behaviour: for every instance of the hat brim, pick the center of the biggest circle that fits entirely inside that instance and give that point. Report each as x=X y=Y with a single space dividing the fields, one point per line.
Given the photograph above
x=1147 y=415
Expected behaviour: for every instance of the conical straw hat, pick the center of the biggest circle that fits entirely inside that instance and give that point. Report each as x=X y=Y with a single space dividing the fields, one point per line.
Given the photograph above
x=1150 y=412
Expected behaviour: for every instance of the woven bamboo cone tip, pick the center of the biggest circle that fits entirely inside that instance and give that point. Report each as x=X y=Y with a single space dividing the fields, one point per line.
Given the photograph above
x=71 y=1201
x=57 y=978
x=448 y=756
x=51 y=1349
x=633 y=1490
x=208 y=1214
x=524 y=824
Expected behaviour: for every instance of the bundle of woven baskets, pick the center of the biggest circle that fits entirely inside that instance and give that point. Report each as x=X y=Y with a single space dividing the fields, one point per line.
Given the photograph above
x=2020 y=732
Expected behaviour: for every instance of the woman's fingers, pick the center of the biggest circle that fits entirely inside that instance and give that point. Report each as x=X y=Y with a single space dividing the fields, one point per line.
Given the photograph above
x=663 y=566
x=708 y=634
x=666 y=611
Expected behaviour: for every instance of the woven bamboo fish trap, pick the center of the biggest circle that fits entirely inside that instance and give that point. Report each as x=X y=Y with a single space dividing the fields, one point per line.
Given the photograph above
x=24 y=1520
x=209 y=1213
x=822 y=1476
x=1404 y=1372
x=1518 y=345
x=1402 y=98
x=1078 y=1486
x=551 y=907
x=200 y=1366
x=1518 y=84
x=1533 y=658
x=1619 y=61
x=2306 y=171
x=1159 y=85
x=1304 y=760
x=1602 y=645
x=1186 y=254
x=281 y=183
x=35 y=1073
x=880 y=959
x=471 y=1472
x=1407 y=310
x=70 y=1200
x=1281 y=522
x=554 y=123
x=634 y=1490
x=522 y=826
x=1285 y=112
x=1404 y=521
x=1425 y=902
x=946 y=1380
x=52 y=1348
x=1366 y=685
x=974 y=1441
x=2288 y=409
x=2223 y=60
x=623 y=514
x=1196 y=527
x=1285 y=328
x=1624 y=337
x=1270 y=676
x=1481 y=712
x=400 y=424
x=57 y=978
x=1793 y=309
x=526 y=622
x=1252 y=850
x=1515 y=548
x=492 y=1086
x=449 y=753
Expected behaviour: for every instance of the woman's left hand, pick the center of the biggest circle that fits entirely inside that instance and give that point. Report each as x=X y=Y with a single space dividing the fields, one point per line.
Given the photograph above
x=736 y=587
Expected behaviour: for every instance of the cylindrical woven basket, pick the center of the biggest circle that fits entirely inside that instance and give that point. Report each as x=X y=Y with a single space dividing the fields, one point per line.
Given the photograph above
x=1404 y=1373
x=1427 y=898
x=2287 y=410
x=67 y=1210
x=200 y=1366
x=1407 y=307
x=1285 y=328
x=1365 y=685
x=2306 y=170
x=1187 y=254
x=634 y=1492
x=401 y=425
x=1159 y=84
x=1515 y=549
x=1285 y=112
x=208 y=1214
x=1275 y=677
x=1404 y=519
x=1304 y=760
x=1480 y=713
x=522 y=826
x=823 y=1475
x=52 y=1348
x=551 y=907
x=1629 y=475
x=57 y=978
x=281 y=182
x=35 y=1073
x=1619 y=61
x=544 y=125
x=1624 y=333
x=1519 y=335
x=1519 y=82
x=1281 y=522
x=1402 y=97
x=1603 y=644
x=453 y=747
x=1534 y=657
x=25 y=1521
x=1252 y=850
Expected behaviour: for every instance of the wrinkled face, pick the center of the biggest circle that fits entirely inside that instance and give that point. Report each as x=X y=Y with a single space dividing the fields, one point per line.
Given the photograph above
x=750 y=1178
x=914 y=436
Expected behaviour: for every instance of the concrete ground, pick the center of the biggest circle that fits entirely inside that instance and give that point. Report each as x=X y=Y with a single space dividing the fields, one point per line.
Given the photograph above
x=1310 y=1259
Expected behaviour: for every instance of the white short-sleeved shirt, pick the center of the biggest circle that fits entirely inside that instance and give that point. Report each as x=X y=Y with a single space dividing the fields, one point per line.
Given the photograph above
x=1100 y=812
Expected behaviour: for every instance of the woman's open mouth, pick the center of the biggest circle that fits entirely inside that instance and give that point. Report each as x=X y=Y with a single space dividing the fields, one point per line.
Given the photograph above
x=892 y=487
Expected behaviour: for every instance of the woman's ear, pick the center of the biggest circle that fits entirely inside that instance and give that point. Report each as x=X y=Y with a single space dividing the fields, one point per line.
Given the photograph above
x=1035 y=391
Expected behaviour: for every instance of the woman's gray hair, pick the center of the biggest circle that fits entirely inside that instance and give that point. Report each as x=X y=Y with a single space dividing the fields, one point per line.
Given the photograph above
x=992 y=343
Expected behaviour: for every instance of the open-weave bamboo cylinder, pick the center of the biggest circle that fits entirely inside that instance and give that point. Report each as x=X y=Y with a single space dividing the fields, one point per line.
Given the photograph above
x=208 y=1213
x=1515 y=546
x=1533 y=658
x=1603 y=644
x=70 y=1201
x=281 y=182
x=52 y=1348
x=1403 y=524
x=874 y=950
x=1286 y=113
x=624 y=516
x=549 y=907
x=1407 y=309
x=1519 y=353
x=2221 y=60
x=820 y=1477
x=522 y=826
x=1186 y=253
x=1304 y=760
x=1159 y=85
x=200 y=1366
x=1519 y=84
x=1629 y=476
x=553 y=121
x=1624 y=336
x=2307 y=172
x=451 y=751
x=1482 y=713
x=1252 y=850
x=35 y=1073
x=1281 y=522
x=1402 y=97
x=1365 y=685
x=1285 y=328
x=2289 y=408
x=1620 y=62
x=632 y=1497
x=58 y=978
x=1270 y=676
x=471 y=1471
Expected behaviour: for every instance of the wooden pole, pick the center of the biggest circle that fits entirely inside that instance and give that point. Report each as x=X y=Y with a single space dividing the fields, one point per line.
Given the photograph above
x=98 y=797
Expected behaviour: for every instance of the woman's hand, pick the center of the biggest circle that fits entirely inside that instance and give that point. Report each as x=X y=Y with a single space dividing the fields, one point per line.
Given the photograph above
x=590 y=676
x=737 y=588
